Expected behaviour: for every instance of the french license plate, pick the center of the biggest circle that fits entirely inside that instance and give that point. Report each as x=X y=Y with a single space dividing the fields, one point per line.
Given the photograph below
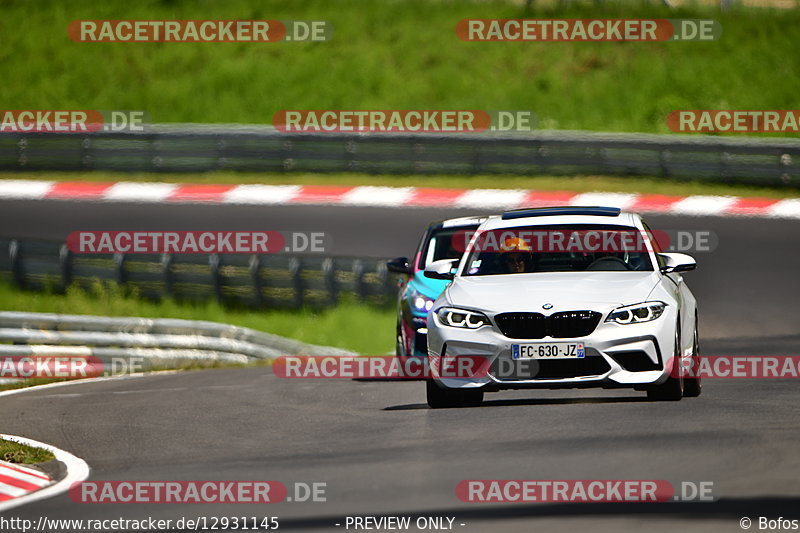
x=548 y=350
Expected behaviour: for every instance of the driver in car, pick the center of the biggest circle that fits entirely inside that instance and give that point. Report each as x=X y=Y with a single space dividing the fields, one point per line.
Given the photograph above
x=516 y=256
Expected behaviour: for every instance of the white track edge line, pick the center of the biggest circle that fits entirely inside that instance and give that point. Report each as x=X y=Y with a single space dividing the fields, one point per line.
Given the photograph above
x=58 y=384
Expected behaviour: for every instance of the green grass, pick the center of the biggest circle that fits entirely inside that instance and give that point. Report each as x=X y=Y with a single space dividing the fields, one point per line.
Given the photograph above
x=362 y=328
x=14 y=452
x=547 y=183
x=30 y=382
x=398 y=55
x=183 y=366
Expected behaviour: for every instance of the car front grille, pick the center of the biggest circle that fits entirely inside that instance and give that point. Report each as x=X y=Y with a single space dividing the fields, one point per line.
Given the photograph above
x=563 y=325
x=506 y=369
x=522 y=325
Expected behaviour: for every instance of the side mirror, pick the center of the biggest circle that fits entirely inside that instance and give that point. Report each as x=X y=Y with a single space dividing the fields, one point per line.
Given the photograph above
x=399 y=265
x=442 y=269
x=677 y=263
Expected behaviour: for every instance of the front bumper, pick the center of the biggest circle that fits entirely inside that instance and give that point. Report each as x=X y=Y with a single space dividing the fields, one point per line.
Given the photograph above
x=415 y=337
x=630 y=355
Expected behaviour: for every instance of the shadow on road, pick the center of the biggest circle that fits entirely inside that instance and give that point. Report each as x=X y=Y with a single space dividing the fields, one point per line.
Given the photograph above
x=725 y=509
x=529 y=401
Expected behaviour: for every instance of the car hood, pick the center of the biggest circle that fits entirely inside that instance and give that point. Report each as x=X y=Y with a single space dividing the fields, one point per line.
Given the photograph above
x=564 y=290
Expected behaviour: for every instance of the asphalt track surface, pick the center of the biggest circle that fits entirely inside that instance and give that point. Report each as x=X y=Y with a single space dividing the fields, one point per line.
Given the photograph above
x=378 y=447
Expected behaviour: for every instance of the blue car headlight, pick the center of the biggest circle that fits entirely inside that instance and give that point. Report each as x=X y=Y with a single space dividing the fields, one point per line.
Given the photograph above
x=462 y=318
x=420 y=302
x=637 y=313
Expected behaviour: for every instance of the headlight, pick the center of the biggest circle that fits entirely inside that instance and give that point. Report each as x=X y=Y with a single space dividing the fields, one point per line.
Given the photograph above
x=420 y=302
x=461 y=318
x=636 y=313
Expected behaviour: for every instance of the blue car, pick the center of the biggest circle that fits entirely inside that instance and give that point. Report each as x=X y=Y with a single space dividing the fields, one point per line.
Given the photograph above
x=442 y=240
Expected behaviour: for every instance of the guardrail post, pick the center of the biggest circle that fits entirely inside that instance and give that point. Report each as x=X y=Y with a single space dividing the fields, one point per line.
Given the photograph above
x=22 y=156
x=166 y=264
x=222 y=161
x=86 y=158
x=477 y=165
x=725 y=164
x=15 y=256
x=255 y=277
x=216 y=277
x=542 y=155
x=288 y=161
x=329 y=273
x=351 y=155
x=417 y=149
x=665 y=156
x=387 y=287
x=602 y=159
x=360 y=286
x=296 y=274
x=65 y=262
x=119 y=268
x=155 y=148
x=784 y=164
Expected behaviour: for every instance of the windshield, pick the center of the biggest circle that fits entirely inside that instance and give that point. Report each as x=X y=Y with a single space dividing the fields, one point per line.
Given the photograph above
x=573 y=248
x=448 y=243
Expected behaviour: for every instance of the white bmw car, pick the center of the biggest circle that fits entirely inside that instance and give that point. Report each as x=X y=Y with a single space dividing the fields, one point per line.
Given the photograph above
x=562 y=297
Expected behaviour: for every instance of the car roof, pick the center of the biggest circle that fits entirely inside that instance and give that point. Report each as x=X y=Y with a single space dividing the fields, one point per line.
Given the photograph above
x=563 y=215
x=460 y=221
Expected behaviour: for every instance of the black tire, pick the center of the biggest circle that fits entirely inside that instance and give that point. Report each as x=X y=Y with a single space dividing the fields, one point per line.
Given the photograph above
x=440 y=398
x=672 y=389
x=693 y=387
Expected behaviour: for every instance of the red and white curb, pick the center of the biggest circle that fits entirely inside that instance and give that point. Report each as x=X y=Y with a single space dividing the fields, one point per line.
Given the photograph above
x=370 y=196
x=17 y=480
x=20 y=485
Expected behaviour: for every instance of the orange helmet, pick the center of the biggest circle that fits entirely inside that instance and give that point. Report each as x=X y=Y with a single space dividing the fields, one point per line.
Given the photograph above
x=515 y=244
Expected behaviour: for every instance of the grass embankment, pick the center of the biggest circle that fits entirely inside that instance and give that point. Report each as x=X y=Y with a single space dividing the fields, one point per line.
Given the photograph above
x=362 y=328
x=358 y=327
x=14 y=452
x=544 y=183
x=399 y=55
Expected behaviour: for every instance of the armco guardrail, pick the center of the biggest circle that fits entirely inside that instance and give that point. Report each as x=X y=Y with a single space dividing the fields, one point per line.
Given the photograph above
x=202 y=148
x=152 y=343
x=263 y=281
